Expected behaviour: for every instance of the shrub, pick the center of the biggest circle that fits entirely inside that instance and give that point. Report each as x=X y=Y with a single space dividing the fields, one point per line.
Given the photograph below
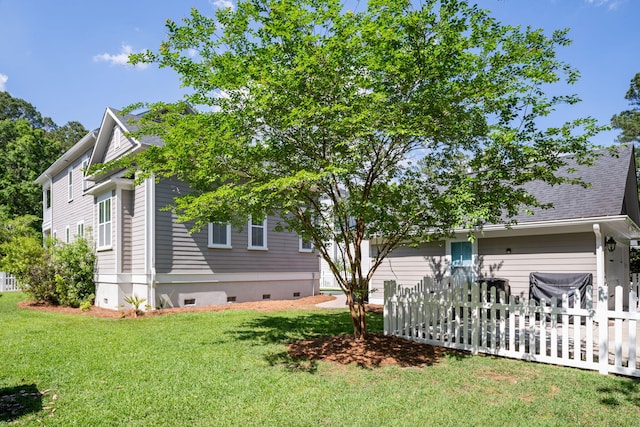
x=75 y=266
x=56 y=274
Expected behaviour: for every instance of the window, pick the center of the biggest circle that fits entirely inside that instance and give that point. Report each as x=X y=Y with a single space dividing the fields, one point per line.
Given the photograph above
x=80 y=229
x=462 y=261
x=117 y=136
x=70 y=184
x=257 y=234
x=104 y=223
x=461 y=254
x=305 y=245
x=67 y=235
x=85 y=166
x=47 y=198
x=219 y=235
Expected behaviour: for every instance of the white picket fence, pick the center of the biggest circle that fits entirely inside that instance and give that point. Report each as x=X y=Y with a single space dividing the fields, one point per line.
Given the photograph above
x=480 y=321
x=8 y=283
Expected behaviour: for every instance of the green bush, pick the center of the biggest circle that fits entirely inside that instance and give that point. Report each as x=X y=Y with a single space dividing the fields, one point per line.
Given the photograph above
x=75 y=264
x=53 y=273
x=39 y=283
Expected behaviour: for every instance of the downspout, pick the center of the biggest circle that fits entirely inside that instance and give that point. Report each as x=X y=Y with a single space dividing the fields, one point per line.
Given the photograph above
x=150 y=238
x=602 y=307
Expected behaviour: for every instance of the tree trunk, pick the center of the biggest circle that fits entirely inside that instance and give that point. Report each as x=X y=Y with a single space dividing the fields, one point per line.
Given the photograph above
x=358 y=314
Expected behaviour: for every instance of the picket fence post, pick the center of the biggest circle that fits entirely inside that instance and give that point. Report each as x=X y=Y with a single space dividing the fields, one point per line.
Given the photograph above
x=603 y=328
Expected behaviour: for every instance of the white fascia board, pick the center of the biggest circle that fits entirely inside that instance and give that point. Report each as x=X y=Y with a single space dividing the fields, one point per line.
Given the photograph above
x=67 y=158
x=110 y=184
x=621 y=225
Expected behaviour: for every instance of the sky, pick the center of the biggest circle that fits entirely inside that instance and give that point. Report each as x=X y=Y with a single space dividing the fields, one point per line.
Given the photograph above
x=68 y=58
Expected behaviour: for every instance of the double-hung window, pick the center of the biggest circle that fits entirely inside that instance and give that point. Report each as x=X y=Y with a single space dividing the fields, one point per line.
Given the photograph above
x=258 y=234
x=219 y=235
x=104 y=223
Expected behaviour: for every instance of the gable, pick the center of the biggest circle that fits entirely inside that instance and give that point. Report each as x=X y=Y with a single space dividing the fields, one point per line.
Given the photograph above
x=112 y=140
x=118 y=144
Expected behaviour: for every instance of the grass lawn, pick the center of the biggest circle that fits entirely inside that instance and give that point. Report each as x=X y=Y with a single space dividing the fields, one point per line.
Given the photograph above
x=231 y=368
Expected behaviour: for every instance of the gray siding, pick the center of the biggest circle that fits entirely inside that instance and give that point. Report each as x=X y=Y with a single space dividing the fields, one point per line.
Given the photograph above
x=138 y=227
x=179 y=251
x=562 y=253
x=408 y=265
x=69 y=213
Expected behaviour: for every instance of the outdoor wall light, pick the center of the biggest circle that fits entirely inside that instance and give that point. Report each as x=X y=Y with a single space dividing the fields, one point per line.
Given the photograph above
x=611 y=244
x=508 y=250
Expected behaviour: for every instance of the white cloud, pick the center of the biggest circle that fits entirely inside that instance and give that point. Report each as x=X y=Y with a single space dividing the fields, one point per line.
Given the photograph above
x=3 y=81
x=120 y=59
x=610 y=4
x=222 y=4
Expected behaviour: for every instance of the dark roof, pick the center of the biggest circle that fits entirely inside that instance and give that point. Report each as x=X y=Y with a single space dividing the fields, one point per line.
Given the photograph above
x=612 y=190
x=130 y=121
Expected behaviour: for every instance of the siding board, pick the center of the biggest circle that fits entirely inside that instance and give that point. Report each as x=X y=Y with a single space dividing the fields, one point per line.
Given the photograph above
x=179 y=251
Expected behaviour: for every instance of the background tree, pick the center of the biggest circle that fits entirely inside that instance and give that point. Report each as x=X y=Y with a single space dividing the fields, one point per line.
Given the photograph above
x=29 y=143
x=397 y=123
x=628 y=121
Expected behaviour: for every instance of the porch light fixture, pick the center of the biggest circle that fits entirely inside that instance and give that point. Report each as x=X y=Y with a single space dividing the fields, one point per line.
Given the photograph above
x=611 y=244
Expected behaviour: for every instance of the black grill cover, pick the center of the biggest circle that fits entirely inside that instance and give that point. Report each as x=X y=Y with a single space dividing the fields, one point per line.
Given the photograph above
x=548 y=285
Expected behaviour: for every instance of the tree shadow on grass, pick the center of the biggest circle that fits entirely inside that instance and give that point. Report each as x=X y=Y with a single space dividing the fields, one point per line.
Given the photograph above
x=18 y=401
x=626 y=389
x=284 y=329
x=327 y=336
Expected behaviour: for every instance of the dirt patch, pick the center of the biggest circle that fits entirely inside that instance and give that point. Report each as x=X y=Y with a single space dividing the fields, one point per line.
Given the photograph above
x=376 y=350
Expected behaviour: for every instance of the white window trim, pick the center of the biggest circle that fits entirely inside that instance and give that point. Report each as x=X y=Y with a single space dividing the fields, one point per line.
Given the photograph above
x=264 y=235
x=102 y=199
x=67 y=234
x=218 y=245
x=303 y=249
x=70 y=184
x=80 y=234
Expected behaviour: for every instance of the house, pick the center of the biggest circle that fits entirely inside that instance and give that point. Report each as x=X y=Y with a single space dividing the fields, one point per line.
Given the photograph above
x=142 y=250
x=588 y=230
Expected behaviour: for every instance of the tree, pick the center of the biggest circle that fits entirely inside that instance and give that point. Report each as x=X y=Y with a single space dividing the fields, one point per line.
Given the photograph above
x=396 y=123
x=28 y=143
x=66 y=136
x=628 y=121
